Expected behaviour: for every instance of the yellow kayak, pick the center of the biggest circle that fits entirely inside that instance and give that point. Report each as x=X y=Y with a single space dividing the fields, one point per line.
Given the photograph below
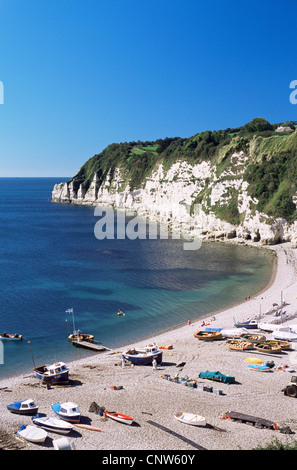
x=254 y=360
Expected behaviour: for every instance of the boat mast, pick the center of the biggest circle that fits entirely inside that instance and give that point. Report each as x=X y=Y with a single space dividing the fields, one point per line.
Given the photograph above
x=70 y=311
x=281 y=307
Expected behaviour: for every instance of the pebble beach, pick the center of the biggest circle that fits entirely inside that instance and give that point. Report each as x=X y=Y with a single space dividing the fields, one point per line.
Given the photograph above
x=145 y=393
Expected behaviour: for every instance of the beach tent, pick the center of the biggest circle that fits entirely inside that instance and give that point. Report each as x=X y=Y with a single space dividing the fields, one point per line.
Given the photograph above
x=228 y=379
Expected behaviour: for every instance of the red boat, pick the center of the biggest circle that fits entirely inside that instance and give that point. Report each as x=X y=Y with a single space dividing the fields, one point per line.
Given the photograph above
x=119 y=417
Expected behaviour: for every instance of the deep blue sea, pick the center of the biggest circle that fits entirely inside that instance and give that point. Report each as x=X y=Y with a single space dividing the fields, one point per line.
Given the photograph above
x=50 y=261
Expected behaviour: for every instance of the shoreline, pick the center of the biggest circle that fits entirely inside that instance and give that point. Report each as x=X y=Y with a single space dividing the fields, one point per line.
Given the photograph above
x=145 y=395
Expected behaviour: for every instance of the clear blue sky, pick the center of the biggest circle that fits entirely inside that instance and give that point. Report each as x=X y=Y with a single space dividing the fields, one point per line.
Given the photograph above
x=81 y=74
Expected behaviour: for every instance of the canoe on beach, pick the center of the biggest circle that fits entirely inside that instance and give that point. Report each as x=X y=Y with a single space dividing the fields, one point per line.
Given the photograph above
x=272 y=348
x=190 y=418
x=239 y=345
x=119 y=417
x=208 y=335
x=253 y=338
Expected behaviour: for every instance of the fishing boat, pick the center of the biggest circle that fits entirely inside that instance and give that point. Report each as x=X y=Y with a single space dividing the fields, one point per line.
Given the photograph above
x=10 y=337
x=284 y=334
x=253 y=338
x=54 y=374
x=283 y=344
x=144 y=356
x=267 y=348
x=190 y=418
x=239 y=345
x=52 y=424
x=68 y=411
x=249 y=324
x=267 y=326
x=32 y=434
x=121 y=313
x=81 y=337
x=24 y=407
x=208 y=335
x=234 y=333
x=119 y=417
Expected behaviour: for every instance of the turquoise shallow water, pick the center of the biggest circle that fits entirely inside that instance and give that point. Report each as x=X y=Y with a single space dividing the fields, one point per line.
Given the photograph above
x=50 y=261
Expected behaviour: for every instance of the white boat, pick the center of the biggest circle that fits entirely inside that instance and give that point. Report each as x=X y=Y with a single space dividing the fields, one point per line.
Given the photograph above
x=119 y=417
x=68 y=411
x=233 y=332
x=53 y=424
x=266 y=326
x=32 y=434
x=190 y=418
x=144 y=356
x=284 y=334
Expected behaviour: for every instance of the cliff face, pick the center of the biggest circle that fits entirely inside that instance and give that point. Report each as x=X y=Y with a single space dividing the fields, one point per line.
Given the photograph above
x=172 y=195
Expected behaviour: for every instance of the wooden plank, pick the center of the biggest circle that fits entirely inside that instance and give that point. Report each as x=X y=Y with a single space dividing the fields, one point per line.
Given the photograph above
x=89 y=345
x=251 y=419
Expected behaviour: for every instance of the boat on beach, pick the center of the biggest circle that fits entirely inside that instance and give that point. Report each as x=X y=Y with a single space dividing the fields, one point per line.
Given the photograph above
x=282 y=343
x=233 y=333
x=53 y=424
x=10 y=337
x=268 y=348
x=236 y=345
x=144 y=356
x=248 y=324
x=68 y=411
x=259 y=367
x=24 y=407
x=284 y=333
x=54 y=374
x=119 y=417
x=253 y=338
x=208 y=335
x=32 y=434
x=190 y=418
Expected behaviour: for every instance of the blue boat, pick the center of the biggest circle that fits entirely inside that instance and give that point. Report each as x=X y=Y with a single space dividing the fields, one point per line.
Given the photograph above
x=53 y=424
x=24 y=407
x=144 y=356
x=54 y=374
x=68 y=411
x=248 y=324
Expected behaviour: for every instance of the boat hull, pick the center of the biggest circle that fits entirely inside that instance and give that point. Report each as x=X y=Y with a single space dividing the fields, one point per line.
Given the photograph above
x=61 y=377
x=190 y=418
x=119 y=417
x=143 y=359
x=52 y=425
x=73 y=418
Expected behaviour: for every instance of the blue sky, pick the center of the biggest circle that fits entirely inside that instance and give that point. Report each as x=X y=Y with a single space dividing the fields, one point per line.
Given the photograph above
x=81 y=74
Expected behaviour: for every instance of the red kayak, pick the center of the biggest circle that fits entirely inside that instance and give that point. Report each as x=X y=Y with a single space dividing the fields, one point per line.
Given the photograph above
x=119 y=417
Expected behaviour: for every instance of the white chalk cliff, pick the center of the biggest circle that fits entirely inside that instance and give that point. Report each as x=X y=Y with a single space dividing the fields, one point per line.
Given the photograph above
x=173 y=197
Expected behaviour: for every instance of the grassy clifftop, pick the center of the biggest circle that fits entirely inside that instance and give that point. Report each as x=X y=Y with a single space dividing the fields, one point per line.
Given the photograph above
x=271 y=169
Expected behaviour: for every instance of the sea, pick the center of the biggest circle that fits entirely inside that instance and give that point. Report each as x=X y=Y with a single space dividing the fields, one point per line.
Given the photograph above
x=52 y=262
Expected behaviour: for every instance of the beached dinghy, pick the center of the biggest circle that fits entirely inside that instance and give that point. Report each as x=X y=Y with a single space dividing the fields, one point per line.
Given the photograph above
x=272 y=348
x=249 y=324
x=284 y=334
x=32 y=434
x=253 y=338
x=283 y=344
x=119 y=417
x=25 y=407
x=53 y=374
x=144 y=356
x=234 y=333
x=53 y=424
x=190 y=418
x=239 y=345
x=68 y=411
x=208 y=335
x=10 y=337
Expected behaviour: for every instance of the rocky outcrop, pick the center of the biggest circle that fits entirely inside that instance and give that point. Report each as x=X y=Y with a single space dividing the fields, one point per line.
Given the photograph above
x=189 y=198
